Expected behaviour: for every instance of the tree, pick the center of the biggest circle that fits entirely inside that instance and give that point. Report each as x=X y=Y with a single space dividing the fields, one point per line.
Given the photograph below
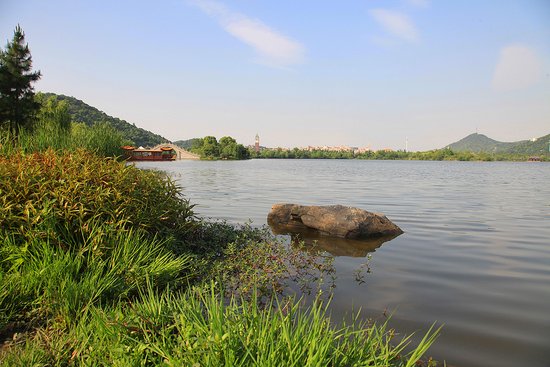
x=226 y=140
x=54 y=113
x=227 y=147
x=241 y=152
x=210 y=147
x=18 y=107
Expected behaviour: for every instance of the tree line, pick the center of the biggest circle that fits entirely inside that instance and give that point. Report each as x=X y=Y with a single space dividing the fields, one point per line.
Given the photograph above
x=430 y=155
x=226 y=148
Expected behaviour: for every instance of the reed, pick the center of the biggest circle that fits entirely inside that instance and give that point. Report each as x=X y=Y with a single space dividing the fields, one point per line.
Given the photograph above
x=101 y=139
x=197 y=328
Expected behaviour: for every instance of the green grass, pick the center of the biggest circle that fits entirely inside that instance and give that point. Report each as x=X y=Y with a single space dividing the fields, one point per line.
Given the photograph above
x=197 y=328
x=46 y=281
x=101 y=139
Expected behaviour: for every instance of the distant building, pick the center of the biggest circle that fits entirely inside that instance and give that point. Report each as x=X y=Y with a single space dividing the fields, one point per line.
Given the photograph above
x=361 y=150
x=326 y=148
x=257 y=144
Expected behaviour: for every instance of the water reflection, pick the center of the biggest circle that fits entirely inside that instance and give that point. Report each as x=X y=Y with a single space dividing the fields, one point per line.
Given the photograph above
x=315 y=243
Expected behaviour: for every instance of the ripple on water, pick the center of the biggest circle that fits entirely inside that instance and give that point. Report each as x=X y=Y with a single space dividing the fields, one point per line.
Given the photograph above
x=475 y=255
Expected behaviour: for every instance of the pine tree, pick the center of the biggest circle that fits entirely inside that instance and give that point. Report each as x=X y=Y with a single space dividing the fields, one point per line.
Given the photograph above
x=17 y=105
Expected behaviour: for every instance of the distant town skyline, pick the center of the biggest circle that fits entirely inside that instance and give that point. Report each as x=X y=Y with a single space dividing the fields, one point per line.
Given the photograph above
x=357 y=73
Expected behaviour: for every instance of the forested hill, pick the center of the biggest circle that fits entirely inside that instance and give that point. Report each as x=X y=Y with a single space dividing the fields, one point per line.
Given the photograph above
x=478 y=143
x=481 y=143
x=186 y=144
x=82 y=112
x=537 y=147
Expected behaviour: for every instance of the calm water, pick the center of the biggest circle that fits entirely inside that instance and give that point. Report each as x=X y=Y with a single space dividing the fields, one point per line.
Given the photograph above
x=475 y=254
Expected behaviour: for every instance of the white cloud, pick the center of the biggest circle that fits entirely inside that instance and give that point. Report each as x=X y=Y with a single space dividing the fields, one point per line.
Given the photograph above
x=272 y=47
x=270 y=44
x=396 y=23
x=518 y=67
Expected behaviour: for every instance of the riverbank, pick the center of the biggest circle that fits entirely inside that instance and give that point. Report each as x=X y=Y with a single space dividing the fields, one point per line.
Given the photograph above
x=431 y=155
x=104 y=263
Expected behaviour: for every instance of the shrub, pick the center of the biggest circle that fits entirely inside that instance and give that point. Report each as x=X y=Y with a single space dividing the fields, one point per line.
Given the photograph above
x=59 y=197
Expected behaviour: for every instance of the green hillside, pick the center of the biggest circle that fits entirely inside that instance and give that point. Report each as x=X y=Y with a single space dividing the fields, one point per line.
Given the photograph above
x=82 y=112
x=186 y=144
x=478 y=143
x=481 y=143
x=537 y=147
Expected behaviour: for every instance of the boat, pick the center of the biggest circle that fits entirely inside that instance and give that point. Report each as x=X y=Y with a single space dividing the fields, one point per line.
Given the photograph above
x=142 y=154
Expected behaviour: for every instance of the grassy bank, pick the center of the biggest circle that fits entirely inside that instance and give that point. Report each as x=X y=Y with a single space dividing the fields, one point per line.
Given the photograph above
x=101 y=139
x=105 y=264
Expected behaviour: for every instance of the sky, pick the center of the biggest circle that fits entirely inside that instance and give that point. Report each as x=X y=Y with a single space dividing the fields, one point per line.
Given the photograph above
x=367 y=73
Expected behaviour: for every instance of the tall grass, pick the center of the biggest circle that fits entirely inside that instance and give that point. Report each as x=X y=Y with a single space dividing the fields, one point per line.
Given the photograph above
x=47 y=281
x=196 y=328
x=101 y=139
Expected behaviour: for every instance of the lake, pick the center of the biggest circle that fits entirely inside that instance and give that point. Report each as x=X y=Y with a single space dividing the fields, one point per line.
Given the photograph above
x=475 y=255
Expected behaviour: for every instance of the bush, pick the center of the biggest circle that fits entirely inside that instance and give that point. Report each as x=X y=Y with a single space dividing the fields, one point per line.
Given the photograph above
x=59 y=197
x=77 y=229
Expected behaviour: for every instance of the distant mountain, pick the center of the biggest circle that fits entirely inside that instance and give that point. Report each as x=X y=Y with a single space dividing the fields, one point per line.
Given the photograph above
x=82 y=112
x=481 y=143
x=478 y=143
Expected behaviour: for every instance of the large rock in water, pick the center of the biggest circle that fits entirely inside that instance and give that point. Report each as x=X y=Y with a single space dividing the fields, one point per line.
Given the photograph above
x=333 y=220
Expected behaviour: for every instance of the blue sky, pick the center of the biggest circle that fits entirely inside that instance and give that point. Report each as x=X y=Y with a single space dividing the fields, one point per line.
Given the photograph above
x=298 y=73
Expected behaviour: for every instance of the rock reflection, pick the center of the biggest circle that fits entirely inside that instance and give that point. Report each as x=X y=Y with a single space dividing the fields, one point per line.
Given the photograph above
x=316 y=243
